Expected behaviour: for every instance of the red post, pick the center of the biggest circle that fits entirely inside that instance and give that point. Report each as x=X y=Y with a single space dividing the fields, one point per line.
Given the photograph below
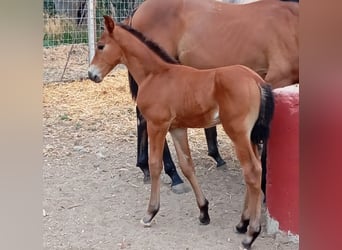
x=282 y=188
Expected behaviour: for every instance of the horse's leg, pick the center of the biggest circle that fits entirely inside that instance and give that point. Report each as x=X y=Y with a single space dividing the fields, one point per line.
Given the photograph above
x=248 y=156
x=142 y=158
x=180 y=140
x=157 y=135
x=177 y=184
x=211 y=136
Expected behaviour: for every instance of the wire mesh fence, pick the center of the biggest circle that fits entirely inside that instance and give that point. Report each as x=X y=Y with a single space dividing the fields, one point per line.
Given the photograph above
x=66 y=30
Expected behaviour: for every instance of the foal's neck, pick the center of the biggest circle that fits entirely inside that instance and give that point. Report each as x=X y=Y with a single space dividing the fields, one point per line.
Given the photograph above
x=140 y=60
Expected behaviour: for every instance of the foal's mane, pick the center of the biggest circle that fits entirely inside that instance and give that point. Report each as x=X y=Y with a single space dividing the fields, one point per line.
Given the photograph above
x=150 y=44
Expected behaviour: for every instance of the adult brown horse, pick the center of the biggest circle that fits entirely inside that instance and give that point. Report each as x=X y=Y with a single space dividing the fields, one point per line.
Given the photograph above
x=175 y=97
x=205 y=33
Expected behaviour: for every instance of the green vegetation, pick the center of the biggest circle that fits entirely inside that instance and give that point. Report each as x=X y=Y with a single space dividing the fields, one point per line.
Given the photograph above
x=65 y=117
x=60 y=30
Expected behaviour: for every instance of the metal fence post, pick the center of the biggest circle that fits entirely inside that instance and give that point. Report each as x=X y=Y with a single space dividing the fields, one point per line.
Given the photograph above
x=91 y=29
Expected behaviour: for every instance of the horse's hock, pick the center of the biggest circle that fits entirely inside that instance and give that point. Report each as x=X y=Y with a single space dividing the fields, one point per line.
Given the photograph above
x=282 y=190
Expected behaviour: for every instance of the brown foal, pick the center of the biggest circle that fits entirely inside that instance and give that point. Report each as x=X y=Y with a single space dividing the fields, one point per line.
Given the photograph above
x=175 y=97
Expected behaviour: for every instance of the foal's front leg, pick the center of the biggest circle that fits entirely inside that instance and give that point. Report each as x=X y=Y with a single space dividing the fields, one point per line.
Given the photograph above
x=177 y=184
x=156 y=134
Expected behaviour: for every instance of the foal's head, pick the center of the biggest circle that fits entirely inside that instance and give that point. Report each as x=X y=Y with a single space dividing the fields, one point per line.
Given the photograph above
x=107 y=54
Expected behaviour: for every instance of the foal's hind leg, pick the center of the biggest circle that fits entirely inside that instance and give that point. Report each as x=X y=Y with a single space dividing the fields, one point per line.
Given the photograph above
x=248 y=156
x=211 y=136
x=180 y=140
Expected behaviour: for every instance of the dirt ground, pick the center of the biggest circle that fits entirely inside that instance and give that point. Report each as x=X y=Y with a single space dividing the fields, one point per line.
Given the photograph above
x=94 y=196
x=65 y=63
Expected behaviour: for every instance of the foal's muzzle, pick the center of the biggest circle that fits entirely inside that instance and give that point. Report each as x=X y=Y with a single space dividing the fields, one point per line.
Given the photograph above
x=94 y=77
x=94 y=73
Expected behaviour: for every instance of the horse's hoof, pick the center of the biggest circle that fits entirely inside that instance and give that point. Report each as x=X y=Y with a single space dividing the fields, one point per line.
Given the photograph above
x=149 y=216
x=217 y=158
x=146 y=223
x=205 y=220
x=246 y=246
x=241 y=228
x=220 y=163
x=248 y=241
x=204 y=214
x=180 y=188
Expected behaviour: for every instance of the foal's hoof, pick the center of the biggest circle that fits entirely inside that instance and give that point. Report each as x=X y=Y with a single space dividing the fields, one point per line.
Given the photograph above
x=148 y=219
x=241 y=228
x=204 y=214
x=147 y=223
x=205 y=219
x=181 y=188
x=250 y=238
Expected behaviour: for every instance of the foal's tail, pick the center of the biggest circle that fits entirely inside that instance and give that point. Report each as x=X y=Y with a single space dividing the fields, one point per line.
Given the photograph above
x=261 y=129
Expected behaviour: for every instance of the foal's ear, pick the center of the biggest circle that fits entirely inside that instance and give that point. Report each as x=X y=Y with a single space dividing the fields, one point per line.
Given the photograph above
x=109 y=24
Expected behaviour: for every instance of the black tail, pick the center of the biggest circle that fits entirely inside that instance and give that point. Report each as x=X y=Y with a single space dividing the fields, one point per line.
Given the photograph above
x=261 y=129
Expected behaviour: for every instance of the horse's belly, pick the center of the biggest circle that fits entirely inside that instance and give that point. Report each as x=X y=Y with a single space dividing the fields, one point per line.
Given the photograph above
x=255 y=61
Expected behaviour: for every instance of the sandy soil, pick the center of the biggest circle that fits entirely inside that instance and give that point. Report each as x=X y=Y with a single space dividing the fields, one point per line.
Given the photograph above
x=94 y=195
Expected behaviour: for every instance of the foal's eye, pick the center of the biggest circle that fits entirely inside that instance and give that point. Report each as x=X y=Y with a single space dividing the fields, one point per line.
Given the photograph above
x=100 y=46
